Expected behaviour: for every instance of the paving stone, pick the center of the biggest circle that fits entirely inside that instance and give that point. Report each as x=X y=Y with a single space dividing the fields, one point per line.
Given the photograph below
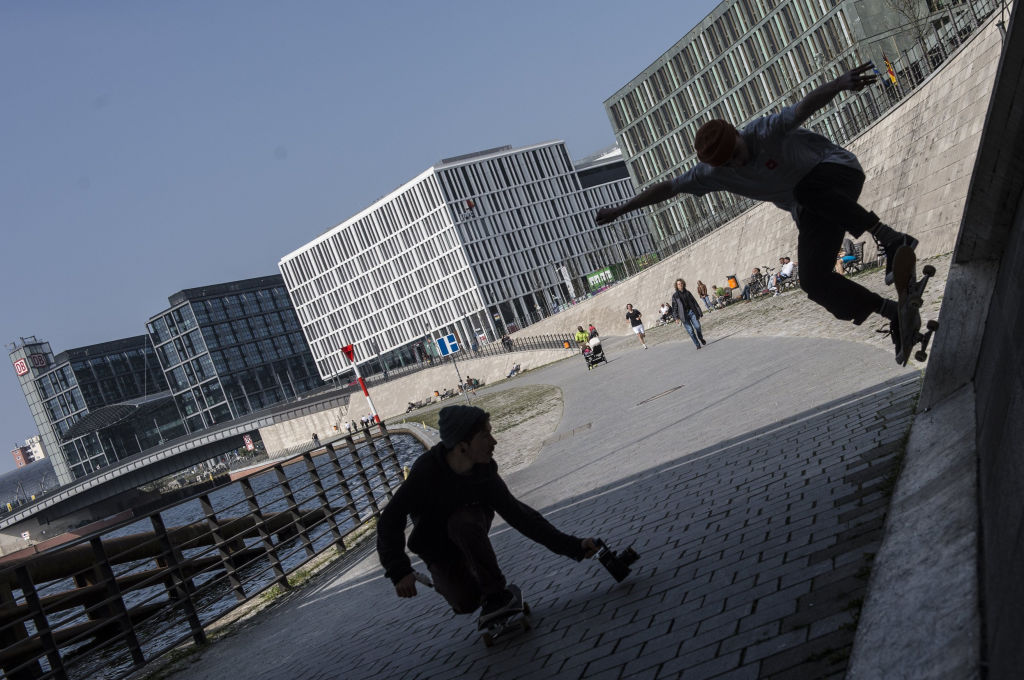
x=751 y=532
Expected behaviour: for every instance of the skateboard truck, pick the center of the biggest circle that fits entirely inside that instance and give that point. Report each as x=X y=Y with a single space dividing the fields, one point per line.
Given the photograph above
x=617 y=564
x=909 y=290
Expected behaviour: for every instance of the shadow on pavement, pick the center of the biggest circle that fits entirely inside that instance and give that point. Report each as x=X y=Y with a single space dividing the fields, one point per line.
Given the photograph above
x=755 y=555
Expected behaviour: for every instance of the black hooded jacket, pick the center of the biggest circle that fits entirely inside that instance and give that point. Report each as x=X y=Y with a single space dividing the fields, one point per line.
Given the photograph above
x=433 y=492
x=683 y=301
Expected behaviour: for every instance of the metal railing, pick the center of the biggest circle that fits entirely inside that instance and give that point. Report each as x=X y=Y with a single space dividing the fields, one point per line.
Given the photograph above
x=498 y=347
x=105 y=604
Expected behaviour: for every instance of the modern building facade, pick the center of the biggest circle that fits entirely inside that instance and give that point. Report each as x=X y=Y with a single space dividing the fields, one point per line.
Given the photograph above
x=477 y=245
x=22 y=455
x=95 y=405
x=230 y=349
x=35 y=446
x=748 y=58
x=30 y=452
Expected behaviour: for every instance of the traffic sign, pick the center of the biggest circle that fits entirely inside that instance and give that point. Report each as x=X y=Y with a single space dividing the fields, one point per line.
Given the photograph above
x=447 y=345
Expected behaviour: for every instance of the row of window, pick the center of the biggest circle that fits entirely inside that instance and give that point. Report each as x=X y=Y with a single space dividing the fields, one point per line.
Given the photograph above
x=766 y=77
x=467 y=181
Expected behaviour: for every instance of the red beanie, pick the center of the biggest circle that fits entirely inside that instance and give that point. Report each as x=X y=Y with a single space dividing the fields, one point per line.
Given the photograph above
x=715 y=142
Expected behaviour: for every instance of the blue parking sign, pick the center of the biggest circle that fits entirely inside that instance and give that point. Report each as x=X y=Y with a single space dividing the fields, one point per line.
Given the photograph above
x=447 y=345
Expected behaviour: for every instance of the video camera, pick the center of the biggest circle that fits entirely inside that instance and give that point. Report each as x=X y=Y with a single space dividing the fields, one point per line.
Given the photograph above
x=617 y=564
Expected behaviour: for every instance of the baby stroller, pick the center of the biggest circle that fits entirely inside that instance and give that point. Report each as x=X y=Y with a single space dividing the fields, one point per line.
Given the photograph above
x=593 y=353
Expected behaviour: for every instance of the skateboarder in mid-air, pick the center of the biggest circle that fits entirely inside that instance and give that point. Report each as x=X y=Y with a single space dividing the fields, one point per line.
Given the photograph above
x=818 y=182
x=451 y=494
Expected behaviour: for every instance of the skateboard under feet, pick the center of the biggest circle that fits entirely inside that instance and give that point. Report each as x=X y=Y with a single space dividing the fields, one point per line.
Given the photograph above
x=518 y=619
x=514 y=622
x=909 y=291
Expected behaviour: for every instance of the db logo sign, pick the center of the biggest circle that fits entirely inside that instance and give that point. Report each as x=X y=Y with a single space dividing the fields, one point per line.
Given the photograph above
x=21 y=367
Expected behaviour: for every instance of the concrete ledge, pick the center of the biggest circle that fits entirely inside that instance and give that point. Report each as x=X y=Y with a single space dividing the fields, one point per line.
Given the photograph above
x=921 y=618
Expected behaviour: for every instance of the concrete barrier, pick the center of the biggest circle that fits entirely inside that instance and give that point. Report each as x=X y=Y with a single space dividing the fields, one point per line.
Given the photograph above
x=918 y=160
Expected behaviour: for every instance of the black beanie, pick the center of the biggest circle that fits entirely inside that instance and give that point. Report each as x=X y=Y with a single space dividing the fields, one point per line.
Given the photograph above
x=457 y=422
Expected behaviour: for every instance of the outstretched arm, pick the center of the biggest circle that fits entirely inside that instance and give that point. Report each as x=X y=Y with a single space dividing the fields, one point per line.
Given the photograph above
x=656 y=193
x=853 y=80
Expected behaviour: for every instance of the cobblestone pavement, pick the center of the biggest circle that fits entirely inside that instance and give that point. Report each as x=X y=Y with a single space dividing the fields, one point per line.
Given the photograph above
x=752 y=477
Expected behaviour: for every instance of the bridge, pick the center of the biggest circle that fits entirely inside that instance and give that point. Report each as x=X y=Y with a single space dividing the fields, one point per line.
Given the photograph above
x=757 y=534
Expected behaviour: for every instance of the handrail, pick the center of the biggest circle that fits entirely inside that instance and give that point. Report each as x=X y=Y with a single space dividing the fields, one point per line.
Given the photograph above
x=110 y=602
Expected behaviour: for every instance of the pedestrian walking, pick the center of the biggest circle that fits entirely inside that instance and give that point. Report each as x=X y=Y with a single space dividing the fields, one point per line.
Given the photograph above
x=688 y=312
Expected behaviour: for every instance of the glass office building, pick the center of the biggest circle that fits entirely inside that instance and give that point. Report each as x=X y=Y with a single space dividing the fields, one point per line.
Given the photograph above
x=95 y=405
x=230 y=349
x=749 y=58
x=478 y=245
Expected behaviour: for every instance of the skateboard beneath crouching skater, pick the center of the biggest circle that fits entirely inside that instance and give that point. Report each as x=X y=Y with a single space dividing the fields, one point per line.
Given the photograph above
x=516 y=617
x=909 y=291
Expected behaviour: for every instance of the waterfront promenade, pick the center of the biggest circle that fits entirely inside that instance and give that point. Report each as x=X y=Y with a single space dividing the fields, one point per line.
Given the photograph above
x=752 y=476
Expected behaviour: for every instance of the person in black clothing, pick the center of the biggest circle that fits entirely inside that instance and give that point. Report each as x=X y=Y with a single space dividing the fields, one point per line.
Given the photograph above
x=633 y=315
x=451 y=494
x=688 y=312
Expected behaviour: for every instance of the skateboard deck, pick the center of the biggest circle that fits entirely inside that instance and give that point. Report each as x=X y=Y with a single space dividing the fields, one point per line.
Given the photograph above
x=909 y=291
x=514 y=622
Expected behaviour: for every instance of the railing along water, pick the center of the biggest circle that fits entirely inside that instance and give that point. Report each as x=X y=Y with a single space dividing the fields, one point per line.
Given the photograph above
x=106 y=604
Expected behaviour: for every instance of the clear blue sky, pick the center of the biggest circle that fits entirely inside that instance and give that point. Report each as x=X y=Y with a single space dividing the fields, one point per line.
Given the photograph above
x=154 y=146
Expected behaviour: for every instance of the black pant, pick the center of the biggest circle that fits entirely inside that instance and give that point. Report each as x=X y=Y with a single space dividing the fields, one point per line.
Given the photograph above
x=464 y=578
x=828 y=208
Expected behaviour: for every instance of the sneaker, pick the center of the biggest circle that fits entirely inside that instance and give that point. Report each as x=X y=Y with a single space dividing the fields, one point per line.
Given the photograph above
x=703 y=341
x=499 y=604
x=894 y=334
x=889 y=249
x=645 y=346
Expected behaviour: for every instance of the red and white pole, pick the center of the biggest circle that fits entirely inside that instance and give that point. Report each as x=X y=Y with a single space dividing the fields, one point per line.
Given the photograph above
x=349 y=352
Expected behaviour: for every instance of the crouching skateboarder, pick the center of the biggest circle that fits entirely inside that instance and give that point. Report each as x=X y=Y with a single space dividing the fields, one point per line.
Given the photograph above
x=451 y=494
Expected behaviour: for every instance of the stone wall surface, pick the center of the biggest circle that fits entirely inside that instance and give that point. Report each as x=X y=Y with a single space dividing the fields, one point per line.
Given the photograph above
x=391 y=398
x=918 y=161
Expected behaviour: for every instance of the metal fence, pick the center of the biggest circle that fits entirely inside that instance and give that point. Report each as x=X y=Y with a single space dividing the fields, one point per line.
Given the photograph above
x=107 y=603
x=498 y=347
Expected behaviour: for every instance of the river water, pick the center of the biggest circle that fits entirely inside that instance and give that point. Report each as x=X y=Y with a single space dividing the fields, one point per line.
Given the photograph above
x=215 y=595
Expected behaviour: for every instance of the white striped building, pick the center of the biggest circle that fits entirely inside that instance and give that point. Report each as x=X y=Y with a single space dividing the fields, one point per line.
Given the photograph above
x=483 y=243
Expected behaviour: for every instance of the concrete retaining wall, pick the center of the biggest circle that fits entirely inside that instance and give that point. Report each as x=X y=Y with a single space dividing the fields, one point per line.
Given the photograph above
x=392 y=398
x=918 y=161
x=946 y=600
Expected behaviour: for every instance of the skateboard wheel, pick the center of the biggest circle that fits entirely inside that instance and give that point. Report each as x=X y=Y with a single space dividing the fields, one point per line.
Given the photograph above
x=928 y=270
x=920 y=355
x=932 y=325
x=916 y=303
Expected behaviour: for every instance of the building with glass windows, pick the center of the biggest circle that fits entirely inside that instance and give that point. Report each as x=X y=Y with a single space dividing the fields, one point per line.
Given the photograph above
x=95 y=405
x=748 y=58
x=477 y=245
x=230 y=349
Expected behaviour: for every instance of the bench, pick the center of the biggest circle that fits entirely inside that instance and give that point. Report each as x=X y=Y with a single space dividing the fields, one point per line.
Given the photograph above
x=790 y=282
x=857 y=264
